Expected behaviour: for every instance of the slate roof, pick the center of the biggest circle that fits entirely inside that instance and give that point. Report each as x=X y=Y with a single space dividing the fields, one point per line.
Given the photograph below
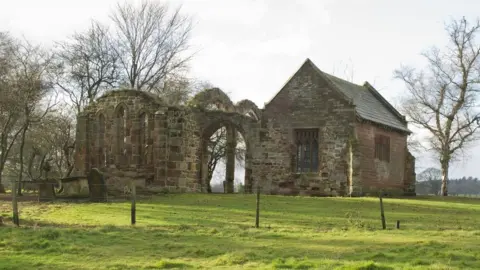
x=370 y=104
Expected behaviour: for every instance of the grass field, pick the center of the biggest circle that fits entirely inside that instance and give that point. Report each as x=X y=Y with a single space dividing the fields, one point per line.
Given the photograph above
x=216 y=231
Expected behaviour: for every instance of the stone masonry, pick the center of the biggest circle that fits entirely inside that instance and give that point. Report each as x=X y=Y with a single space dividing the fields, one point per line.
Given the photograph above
x=315 y=137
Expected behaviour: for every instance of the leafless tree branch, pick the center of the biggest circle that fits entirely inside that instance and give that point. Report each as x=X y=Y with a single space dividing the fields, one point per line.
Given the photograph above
x=442 y=99
x=150 y=43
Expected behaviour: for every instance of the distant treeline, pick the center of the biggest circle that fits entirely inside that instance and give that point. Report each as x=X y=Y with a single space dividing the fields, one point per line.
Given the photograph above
x=462 y=186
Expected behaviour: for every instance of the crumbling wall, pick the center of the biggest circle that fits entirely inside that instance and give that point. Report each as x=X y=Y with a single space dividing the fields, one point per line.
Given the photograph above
x=122 y=156
x=131 y=135
x=410 y=176
x=163 y=147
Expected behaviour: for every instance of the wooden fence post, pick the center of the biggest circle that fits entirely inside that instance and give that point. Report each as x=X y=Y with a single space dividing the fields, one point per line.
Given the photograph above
x=133 y=207
x=382 y=214
x=257 y=216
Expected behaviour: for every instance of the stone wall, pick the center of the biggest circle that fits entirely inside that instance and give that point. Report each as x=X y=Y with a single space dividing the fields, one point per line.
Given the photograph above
x=122 y=150
x=133 y=136
x=100 y=134
x=306 y=101
x=409 y=175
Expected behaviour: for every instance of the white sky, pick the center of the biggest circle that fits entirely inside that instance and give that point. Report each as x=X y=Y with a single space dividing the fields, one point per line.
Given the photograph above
x=250 y=48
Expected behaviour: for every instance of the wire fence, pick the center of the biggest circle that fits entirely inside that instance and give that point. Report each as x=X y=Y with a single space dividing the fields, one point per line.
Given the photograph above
x=133 y=193
x=83 y=192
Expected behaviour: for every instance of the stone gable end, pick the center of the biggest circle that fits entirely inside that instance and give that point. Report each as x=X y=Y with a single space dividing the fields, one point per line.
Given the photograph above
x=308 y=101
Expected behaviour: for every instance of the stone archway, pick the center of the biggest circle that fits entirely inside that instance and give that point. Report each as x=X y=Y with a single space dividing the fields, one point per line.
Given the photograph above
x=227 y=148
x=210 y=122
x=215 y=110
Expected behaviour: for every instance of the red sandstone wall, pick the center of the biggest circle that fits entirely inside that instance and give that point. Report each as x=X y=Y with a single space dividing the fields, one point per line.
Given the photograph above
x=376 y=174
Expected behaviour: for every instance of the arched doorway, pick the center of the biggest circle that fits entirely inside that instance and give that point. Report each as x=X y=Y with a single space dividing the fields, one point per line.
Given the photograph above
x=224 y=158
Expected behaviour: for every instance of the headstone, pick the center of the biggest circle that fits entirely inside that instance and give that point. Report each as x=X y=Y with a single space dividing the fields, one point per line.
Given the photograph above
x=96 y=186
x=46 y=191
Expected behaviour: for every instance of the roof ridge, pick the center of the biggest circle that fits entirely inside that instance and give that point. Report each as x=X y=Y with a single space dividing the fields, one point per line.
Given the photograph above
x=331 y=75
x=329 y=81
x=345 y=81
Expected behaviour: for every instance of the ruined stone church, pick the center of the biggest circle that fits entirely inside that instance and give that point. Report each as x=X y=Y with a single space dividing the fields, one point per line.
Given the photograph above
x=319 y=135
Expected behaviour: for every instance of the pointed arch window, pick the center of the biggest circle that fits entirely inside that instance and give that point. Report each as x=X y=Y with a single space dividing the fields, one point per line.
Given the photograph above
x=101 y=157
x=143 y=137
x=121 y=130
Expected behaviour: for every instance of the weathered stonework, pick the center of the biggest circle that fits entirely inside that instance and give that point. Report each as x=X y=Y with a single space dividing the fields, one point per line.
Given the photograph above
x=307 y=101
x=133 y=136
x=167 y=151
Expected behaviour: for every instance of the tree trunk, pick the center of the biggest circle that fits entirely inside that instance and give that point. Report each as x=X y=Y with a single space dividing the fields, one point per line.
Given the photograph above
x=5 y=149
x=230 y=159
x=209 y=179
x=2 y=187
x=20 y=173
x=444 y=190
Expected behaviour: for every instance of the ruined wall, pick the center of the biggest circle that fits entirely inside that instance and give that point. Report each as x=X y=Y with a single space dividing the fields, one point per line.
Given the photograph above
x=306 y=101
x=123 y=151
x=163 y=147
x=207 y=122
x=410 y=176
x=180 y=172
x=375 y=175
x=131 y=135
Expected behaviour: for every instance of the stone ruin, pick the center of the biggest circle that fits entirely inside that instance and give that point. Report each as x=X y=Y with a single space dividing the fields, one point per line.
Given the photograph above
x=319 y=135
x=131 y=135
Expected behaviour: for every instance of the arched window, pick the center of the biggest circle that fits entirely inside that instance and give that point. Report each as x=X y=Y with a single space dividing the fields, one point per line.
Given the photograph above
x=101 y=156
x=143 y=138
x=121 y=123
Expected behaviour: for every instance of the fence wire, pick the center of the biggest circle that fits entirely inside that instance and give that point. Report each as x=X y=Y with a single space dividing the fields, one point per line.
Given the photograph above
x=257 y=204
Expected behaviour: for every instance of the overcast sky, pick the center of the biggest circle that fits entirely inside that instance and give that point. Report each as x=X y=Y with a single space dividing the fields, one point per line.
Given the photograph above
x=250 y=48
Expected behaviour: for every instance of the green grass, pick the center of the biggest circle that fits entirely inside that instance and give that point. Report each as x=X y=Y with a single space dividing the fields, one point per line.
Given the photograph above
x=217 y=231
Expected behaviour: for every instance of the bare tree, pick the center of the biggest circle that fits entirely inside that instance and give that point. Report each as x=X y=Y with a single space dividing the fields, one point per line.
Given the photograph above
x=88 y=65
x=442 y=99
x=178 y=89
x=429 y=174
x=61 y=142
x=50 y=139
x=347 y=69
x=10 y=109
x=32 y=81
x=150 y=43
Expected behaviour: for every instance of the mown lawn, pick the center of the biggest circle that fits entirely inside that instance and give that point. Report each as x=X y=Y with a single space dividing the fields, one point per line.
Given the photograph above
x=217 y=231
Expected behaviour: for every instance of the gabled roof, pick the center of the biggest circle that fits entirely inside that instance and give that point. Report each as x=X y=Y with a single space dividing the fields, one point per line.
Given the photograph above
x=369 y=103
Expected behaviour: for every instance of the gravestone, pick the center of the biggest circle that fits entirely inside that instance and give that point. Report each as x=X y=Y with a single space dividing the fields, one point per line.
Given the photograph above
x=46 y=191
x=96 y=186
